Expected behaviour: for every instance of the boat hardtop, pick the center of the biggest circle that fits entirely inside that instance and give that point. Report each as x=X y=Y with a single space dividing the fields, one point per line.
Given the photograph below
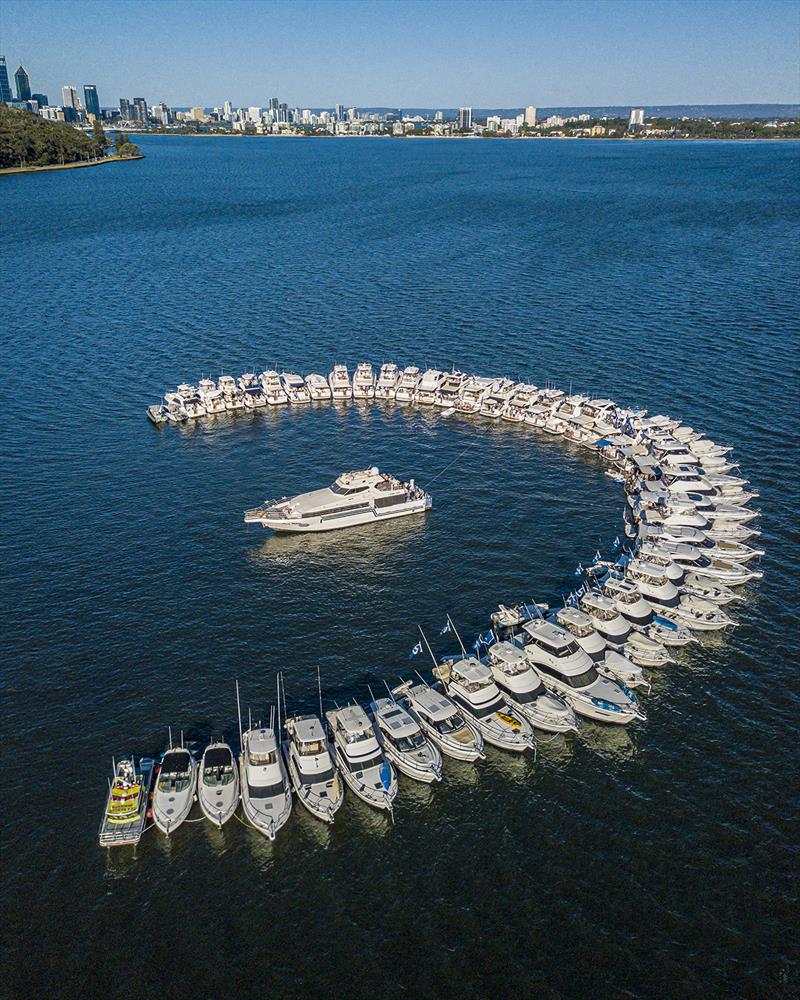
x=175 y=787
x=266 y=795
x=360 y=758
x=218 y=783
x=517 y=677
x=311 y=767
x=439 y=716
x=404 y=742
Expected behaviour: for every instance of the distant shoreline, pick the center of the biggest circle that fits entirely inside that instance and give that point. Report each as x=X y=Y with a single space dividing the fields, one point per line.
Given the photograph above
x=72 y=166
x=501 y=138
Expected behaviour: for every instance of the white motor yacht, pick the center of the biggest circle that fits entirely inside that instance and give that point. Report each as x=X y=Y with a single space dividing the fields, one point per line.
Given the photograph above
x=700 y=586
x=218 y=783
x=359 y=757
x=407 y=384
x=191 y=403
x=619 y=667
x=628 y=599
x=513 y=413
x=537 y=415
x=491 y=407
x=339 y=381
x=472 y=393
x=212 y=397
x=428 y=386
x=449 y=390
x=173 y=795
x=231 y=393
x=605 y=616
x=266 y=792
x=653 y=583
x=517 y=678
x=581 y=628
x=657 y=554
x=699 y=615
x=295 y=388
x=568 y=671
x=387 y=381
x=470 y=684
x=441 y=720
x=404 y=742
x=254 y=397
x=364 y=381
x=273 y=388
x=364 y=497
x=309 y=761
x=318 y=388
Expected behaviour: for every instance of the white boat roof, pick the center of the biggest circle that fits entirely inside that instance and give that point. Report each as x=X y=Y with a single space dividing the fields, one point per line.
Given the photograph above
x=359 y=477
x=551 y=634
x=594 y=600
x=353 y=720
x=293 y=378
x=575 y=617
x=308 y=729
x=432 y=702
x=471 y=670
x=395 y=718
x=262 y=741
x=614 y=583
x=602 y=404
x=506 y=652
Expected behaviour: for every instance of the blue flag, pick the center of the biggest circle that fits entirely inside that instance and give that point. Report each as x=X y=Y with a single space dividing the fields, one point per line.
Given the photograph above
x=578 y=570
x=446 y=628
x=415 y=651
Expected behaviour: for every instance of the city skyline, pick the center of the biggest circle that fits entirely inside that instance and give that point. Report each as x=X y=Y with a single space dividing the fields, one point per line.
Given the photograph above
x=462 y=54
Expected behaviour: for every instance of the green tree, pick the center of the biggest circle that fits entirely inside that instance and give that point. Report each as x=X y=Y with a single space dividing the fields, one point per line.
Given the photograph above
x=99 y=140
x=123 y=145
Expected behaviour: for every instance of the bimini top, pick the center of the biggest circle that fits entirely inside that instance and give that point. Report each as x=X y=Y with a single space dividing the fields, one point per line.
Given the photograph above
x=509 y=656
x=262 y=741
x=471 y=672
x=551 y=635
x=572 y=616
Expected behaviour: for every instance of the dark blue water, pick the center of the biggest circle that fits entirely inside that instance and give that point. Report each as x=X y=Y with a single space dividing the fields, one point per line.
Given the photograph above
x=656 y=861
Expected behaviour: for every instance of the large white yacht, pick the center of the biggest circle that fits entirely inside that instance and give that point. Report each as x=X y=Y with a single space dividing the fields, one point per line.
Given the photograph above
x=387 y=381
x=359 y=757
x=273 y=389
x=364 y=381
x=311 y=768
x=516 y=677
x=471 y=686
x=428 y=386
x=188 y=399
x=231 y=393
x=363 y=497
x=440 y=718
x=211 y=395
x=605 y=616
x=218 y=783
x=628 y=599
x=407 y=384
x=472 y=393
x=318 y=387
x=449 y=389
x=568 y=671
x=266 y=793
x=339 y=381
x=174 y=790
x=295 y=388
x=404 y=743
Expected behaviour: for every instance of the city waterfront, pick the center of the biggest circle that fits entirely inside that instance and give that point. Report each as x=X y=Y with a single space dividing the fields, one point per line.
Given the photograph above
x=652 y=861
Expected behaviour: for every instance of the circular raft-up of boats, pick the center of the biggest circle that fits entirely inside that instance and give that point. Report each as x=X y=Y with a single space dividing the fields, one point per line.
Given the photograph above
x=688 y=544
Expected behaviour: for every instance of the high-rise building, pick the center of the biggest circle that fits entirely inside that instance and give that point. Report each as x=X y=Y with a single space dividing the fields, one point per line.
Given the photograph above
x=41 y=100
x=91 y=100
x=5 y=87
x=465 y=119
x=273 y=108
x=227 y=109
x=125 y=108
x=283 y=113
x=140 y=112
x=23 y=84
x=163 y=113
x=254 y=115
x=69 y=97
x=339 y=112
x=439 y=116
x=530 y=115
x=198 y=114
x=636 y=120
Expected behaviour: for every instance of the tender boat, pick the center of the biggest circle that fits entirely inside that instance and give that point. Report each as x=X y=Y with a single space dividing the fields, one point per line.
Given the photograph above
x=309 y=761
x=318 y=387
x=158 y=414
x=295 y=388
x=218 y=782
x=470 y=684
x=174 y=790
x=363 y=497
x=359 y=757
x=668 y=632
x=440 y=719
x=125 y=813
x=387 y=381
x=568 y=671
x=364 y=381
x=404 y=743
x=517 y=678
x=339 y=381
x=699 y=586
x=407 y=384
x=643 y=649
x=699 y=615
x=266 y=792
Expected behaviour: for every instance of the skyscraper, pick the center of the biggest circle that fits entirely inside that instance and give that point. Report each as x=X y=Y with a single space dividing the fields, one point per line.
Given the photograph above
x=465 y=119
x=140 y=112
x=340 y=112
x=530 y=115
x=23 y=84
x=636 y=121
x=5 y=87
x=41 y=100
x=69 y=95
x=273 y=108
x=125 y=108
x=91 y=100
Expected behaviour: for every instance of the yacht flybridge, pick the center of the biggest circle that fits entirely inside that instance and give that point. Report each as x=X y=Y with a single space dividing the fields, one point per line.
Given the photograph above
x=362 y=497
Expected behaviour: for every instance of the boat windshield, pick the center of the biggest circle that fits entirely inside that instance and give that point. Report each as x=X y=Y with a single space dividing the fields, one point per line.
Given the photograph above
x=525 y=697
x=408 y=743
x=582 y=680
x=482 y=711
x=452 y=724
x=265 y=791
x=345 y=491
x=263 y=758
x=173 y=782
x=312 y=748
x=218 y=775
x=366 y=764
x=316 y=777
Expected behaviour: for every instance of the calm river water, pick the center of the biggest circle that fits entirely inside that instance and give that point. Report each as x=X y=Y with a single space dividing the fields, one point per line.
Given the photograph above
x=657 y=861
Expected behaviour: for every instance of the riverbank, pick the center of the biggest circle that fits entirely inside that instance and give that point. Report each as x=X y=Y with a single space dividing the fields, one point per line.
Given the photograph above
x=503 y=138
x=72 y=166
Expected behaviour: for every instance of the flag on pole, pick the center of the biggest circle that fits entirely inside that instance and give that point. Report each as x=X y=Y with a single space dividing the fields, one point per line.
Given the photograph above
x=578 y=570
x=488 y=639
x=446 y=628
x=415 y=651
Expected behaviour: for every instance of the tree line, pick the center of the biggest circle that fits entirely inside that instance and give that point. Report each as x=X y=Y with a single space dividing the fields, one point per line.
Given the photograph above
x=27 y=140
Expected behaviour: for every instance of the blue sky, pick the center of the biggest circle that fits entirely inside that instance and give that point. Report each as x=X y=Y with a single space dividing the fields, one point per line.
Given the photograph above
x=423 y=54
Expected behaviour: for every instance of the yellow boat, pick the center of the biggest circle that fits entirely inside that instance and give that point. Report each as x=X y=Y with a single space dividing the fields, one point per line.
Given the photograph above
x=125 y=813
x=509 y=721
